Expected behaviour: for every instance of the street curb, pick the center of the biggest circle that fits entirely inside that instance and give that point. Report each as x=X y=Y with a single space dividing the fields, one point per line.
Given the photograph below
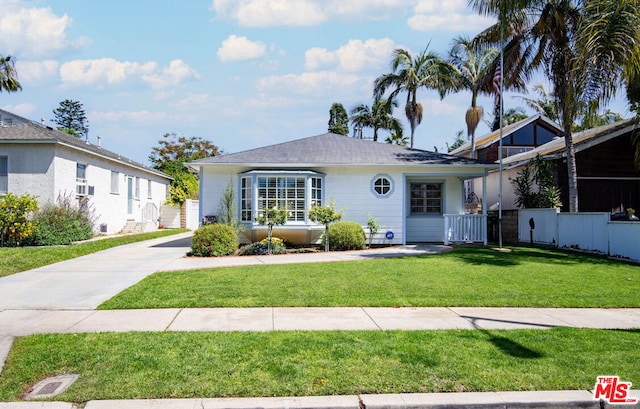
x=460 y=400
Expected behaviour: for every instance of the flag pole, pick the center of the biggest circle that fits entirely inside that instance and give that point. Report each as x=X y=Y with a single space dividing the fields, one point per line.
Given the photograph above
x=501 y=131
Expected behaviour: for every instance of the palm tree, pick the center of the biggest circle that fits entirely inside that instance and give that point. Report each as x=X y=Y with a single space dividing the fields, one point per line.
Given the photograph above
x=8 y=75
x=545 y=103
x=408 y=75
x=377 y=117
x=397 y=138
x=583 y=47
x=474 y=65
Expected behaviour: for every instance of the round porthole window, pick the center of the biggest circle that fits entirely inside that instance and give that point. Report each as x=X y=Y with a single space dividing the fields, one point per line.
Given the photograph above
x=382 y=185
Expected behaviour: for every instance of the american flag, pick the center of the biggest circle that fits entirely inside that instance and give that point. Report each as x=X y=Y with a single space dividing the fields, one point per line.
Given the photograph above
x=496 y=85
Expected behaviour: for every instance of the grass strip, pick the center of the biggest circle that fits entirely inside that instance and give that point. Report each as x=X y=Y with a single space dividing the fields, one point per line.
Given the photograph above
x=466 y=276
x=16 y=259
x=237 y=364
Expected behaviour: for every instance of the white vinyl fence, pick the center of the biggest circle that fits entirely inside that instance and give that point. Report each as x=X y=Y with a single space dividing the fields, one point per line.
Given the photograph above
x=585 y=231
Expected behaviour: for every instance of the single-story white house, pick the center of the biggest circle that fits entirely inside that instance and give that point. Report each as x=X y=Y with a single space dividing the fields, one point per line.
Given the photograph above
x=38 y=160
x=416 y=195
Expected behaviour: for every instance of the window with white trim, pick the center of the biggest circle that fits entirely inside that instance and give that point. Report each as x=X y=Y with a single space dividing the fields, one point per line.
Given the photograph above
x=149 y=189
x=245 y=199
x=294 y=191
x=81 y=179
x=137 y=188
x=115 y=182
x=4 y=174
x=426 y=198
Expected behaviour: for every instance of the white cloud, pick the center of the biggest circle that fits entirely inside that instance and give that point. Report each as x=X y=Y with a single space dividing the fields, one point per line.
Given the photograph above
x=36 y=71
x=236 y=48
x=193 y=100
x=24 y=110
x=268 y=13
x=141 y=117
x=96 y=72
x=450 y=15
x=261 y=13
x=107 y=71
x=312 y=83
x=354 y=56
x=176 y=73
x=32 y=31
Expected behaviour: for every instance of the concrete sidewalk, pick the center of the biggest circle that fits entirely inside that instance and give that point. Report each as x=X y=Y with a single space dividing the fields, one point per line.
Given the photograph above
x=26 y=322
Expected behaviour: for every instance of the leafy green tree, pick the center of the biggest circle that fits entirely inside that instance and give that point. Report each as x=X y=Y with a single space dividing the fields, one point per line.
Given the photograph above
x=270 y=218
x=378 y=116
x=585 y=48
x=397 y=138
x=544 y=104
x=474 y=65
x=8 y=75
x=325 y=215
x=170 y=157
x=338 y=119
x=71 y=119
x=409 y=74
x=538 y=174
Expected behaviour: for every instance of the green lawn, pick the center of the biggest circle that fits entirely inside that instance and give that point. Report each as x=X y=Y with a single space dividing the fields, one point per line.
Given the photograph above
x=16 y=259
x=172 y=365
x=466 y=276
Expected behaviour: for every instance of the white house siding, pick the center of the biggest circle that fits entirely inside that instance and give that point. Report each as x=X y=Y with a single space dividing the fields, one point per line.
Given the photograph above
x=111 y=209
x=30 y=169
x=46 y=170
x=351 y=188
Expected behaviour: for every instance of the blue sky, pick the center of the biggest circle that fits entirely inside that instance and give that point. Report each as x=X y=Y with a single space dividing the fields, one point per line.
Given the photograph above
x=240 y=73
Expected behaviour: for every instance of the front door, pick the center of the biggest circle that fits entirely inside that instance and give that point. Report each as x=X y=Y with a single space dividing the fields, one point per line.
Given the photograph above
x=130 y=196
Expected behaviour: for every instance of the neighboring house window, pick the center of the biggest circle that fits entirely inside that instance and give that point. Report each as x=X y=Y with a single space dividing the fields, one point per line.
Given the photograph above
x=149 y=190
x=137 y=190
x=81 y=179
x=245 y=199
x=115 y=182
x=426 y=198
x=4 y=174
x=382 y=185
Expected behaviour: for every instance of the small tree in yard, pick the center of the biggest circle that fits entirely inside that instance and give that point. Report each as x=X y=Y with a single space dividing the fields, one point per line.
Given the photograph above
x=374 y=227
x=325 y=215
x=227 y=208
x=15 y=218
x=270 y=218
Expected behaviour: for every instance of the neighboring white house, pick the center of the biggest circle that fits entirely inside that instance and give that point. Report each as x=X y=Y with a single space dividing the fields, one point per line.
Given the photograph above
x=43 y=162
x=416 y=195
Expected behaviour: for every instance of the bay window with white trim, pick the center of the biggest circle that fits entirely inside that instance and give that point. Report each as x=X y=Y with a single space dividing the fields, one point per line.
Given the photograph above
x=294 y=191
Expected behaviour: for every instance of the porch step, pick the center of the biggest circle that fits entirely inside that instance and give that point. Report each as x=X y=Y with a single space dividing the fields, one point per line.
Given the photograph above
x=132 y=227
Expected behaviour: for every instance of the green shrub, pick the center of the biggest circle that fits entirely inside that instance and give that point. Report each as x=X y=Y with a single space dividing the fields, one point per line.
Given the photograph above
x=260 y=249
x=63 y=222
x=346 y=236
x=16 y=224
x=214 y=240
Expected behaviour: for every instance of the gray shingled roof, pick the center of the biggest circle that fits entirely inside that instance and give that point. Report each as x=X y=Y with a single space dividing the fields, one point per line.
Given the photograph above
x=32 y=132
x=333 y=149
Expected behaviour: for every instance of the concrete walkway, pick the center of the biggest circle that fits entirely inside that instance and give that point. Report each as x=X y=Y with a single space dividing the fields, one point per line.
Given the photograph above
x=62 y=297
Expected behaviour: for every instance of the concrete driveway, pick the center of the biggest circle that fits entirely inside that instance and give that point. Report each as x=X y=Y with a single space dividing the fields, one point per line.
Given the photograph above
x=86 y=282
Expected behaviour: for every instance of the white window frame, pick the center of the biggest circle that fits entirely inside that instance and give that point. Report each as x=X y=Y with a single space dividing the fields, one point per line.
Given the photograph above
x=296 y=191
x=149 y=189
x=382 y=185
x=81 y=179
x=115 y=182
x=428 y=198
x=136 y=190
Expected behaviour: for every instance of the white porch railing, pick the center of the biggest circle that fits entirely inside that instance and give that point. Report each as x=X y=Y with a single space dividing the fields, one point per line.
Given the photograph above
x=465 y=228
